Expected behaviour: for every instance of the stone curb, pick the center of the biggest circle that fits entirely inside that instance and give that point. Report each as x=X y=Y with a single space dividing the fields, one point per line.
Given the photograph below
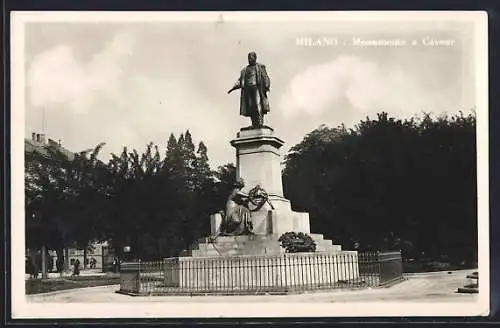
x=57 y=292
x=422 y=274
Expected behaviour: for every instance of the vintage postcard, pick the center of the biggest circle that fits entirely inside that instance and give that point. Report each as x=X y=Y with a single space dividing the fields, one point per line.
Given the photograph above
x=249 y=164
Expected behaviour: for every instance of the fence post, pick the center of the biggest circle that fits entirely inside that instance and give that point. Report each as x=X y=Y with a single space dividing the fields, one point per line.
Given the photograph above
x=401 y=268
x=138 y=280
x=285 y=268
x=379 y=271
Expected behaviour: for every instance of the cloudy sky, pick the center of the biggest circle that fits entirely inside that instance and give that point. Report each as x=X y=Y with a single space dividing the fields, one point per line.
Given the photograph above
x=130 y=83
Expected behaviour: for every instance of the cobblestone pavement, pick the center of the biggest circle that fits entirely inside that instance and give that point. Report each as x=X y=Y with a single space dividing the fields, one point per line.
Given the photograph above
x=427 y=287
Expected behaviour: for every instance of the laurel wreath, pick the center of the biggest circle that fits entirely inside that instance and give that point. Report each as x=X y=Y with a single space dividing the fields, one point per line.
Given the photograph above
x=257 y=196
x=297 y=242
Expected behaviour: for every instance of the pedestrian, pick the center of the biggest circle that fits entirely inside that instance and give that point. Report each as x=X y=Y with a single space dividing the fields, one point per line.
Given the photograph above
x=31 y=268
x=36 y=270
x=76 y=268
x=116 y=265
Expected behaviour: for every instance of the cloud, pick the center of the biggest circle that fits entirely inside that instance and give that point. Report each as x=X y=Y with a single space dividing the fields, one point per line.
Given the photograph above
x=127 y=100
x=57 y=77
x=366 y=85
x=149 y=81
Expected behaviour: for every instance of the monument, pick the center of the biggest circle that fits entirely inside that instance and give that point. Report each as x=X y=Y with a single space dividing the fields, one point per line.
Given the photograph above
x=257 y=213
x=243 y=253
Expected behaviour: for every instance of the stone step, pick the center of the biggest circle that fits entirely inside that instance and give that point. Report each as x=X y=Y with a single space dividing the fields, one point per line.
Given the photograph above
x=210 y=250
x=241 y=251
x=473 y=275
x=258 y=250
x=239 y=239
x=202 y=247
x=468 y=290
x=251 y=244
x=262 y=243
x=275 y=237
x=255 y=249
x=329 y=250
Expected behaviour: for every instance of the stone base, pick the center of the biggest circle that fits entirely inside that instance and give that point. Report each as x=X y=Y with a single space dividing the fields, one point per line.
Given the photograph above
x=264 y=272
x=258 y=162
x=258 y=159
x=268 y=225
x=251 y=245
x=276 y=220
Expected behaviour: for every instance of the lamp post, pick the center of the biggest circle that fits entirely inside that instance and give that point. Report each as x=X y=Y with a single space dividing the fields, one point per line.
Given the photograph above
x=126 y=252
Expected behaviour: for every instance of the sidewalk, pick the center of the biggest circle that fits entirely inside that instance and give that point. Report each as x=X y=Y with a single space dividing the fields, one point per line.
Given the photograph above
x=56 y=275
x=431 y=287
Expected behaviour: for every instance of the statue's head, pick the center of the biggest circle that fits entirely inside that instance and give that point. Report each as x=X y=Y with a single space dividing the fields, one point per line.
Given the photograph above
x=239 y=183
x=252 y=58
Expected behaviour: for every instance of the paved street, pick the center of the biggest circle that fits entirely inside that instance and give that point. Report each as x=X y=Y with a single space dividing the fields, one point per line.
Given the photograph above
x=425 y=287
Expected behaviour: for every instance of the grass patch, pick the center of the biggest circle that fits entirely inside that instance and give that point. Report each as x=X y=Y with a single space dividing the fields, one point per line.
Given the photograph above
x=38 y=286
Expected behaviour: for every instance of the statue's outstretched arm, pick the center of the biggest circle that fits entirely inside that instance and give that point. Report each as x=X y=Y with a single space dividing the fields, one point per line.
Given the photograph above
x=236 y=86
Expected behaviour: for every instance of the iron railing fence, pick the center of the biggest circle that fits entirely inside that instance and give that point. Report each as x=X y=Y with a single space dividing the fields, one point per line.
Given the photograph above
x=282 y=273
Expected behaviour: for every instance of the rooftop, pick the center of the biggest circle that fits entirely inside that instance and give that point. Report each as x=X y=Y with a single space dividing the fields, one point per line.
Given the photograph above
x=39 y=143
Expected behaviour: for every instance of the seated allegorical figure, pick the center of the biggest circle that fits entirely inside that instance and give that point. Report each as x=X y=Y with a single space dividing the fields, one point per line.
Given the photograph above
x=237 y=219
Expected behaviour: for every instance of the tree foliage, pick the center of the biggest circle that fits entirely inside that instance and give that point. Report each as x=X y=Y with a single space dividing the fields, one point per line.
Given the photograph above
x=58 y=188
x=156 y=204
x=387 y=183
x=391 y=184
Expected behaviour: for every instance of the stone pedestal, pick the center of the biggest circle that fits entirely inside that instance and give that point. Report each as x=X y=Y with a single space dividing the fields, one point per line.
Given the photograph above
x=258 y=159
x=257 y=262
x=258 y=162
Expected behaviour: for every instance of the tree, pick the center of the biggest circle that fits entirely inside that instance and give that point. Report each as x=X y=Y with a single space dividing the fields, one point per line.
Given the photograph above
x=45 y=194
x=204 y=191
x=138 y=196
x=88 y=180
x=63 y=198
x=163 y=204
x=225 y=177
x=390 y=183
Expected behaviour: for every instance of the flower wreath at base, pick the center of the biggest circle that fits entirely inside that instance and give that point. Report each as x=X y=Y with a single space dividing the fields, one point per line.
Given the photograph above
x=297 y=242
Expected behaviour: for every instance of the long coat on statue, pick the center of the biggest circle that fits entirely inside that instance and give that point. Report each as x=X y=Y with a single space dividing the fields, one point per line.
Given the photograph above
x=263 y=83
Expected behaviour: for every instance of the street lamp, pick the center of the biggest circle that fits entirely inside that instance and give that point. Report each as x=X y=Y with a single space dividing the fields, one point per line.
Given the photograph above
x=126 y=253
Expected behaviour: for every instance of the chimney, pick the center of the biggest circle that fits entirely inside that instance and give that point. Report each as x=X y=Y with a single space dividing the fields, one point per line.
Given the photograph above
x=33 y=136
x=38 y=137
x=42 y=138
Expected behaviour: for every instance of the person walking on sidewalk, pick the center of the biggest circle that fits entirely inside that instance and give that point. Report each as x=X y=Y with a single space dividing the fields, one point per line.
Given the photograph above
x=76 y=268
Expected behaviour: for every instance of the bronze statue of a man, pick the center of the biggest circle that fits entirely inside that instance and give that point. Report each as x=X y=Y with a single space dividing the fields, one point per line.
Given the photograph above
x=237 y=220
x=254 y=84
